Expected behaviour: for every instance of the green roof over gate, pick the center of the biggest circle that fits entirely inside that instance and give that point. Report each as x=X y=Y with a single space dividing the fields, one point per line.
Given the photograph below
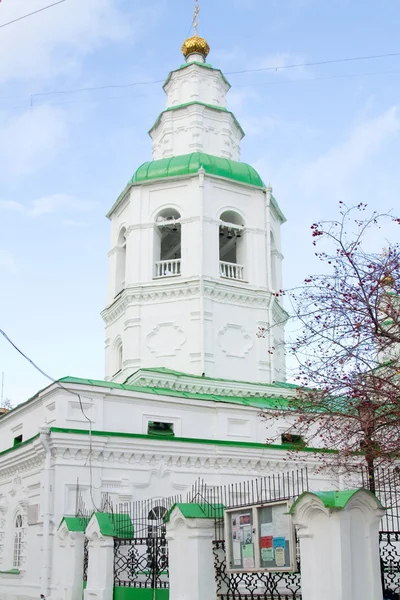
x=197 y=511
x=335 y=500
x=189 y=164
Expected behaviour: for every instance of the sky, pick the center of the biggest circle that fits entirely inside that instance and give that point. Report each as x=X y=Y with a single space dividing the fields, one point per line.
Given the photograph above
x=318 y=134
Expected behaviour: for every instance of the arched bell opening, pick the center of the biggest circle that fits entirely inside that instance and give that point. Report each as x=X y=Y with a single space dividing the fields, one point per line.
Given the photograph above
x=168 y=243
x=232 y=246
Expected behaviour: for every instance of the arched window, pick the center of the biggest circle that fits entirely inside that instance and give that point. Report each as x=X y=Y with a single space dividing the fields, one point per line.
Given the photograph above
x=167 y=243
x=120 y=269
x=232 y=246
x=119 y=356
x=157 y=530
x=18 y=533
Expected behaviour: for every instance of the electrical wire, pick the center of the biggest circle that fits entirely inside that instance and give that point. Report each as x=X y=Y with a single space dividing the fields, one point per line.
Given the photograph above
x=35 y=12
x=266 y=69
x=245 y=85
x=59 y=384
x=316 y=63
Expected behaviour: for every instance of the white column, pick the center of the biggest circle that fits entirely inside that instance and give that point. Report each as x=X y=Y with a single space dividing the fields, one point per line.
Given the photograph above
x=339 y=545
x=191 y=566
x=68 y=564
x=100 y=582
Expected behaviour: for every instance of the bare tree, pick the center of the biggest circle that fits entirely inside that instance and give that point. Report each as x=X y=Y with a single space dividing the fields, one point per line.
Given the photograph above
x=348 y=346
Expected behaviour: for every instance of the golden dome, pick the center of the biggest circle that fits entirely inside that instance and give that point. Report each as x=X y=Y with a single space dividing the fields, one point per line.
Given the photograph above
x=387 y=281
x=195 y=45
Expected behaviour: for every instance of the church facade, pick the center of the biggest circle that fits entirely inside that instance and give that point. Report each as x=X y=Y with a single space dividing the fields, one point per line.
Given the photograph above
x=195 y=269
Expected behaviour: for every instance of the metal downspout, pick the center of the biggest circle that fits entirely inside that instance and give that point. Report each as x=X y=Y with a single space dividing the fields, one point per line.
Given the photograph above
x=45 y=574
x=201 y=287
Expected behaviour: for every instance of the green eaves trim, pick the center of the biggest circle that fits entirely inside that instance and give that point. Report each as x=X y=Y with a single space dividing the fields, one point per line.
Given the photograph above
x=195 y=102
x=11 y=572
x=199 y=64
x=21 y=445
x=335 y=500
x=141 y=436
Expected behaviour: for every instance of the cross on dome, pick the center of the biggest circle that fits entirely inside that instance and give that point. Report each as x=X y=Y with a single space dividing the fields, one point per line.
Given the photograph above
x=195 y=44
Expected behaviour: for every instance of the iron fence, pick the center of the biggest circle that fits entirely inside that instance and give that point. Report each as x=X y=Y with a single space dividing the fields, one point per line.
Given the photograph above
x=265 y=585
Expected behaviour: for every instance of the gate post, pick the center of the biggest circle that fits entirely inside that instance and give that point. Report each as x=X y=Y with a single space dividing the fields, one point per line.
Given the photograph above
x=190 y=533
x=339 y=545
x=100 y=582
x=68 y=560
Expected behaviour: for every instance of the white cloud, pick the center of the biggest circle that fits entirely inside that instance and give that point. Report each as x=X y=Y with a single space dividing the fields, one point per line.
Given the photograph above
x=52 y=42
x=340 y=163
x=48 y=205
x=30 y=139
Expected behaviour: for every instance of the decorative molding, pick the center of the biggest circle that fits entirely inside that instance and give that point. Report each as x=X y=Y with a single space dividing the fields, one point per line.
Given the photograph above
x=166 y=339
x=186 y=383
x=149 y=294
x=235 y=341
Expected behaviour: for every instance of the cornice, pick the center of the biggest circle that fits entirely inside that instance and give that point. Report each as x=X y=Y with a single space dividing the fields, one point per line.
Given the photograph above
x=142 y=454
x=195 y=385
x=214 y=289
x=156 y=292
x=27 y=459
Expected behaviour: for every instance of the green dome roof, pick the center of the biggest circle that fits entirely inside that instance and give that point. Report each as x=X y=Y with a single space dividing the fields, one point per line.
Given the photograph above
x=189 y=164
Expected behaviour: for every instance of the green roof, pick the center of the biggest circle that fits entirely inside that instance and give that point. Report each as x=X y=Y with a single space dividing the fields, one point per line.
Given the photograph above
x=189 y=164
x=335 y=500
x=198 y=511
x=115 y=525
x=75 y=523
x=255 y=402
x=196 y=102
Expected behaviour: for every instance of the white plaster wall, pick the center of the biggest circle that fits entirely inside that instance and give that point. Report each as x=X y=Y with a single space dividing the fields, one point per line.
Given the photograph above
x=195 y=83
x=196 y=128
x=20 y=490
x=187 y=317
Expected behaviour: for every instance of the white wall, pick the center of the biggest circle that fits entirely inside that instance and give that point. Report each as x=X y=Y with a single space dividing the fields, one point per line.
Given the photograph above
x=175 y=322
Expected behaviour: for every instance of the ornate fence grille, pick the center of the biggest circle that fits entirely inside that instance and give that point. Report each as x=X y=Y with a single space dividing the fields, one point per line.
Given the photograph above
x=85 y=560
x=263 y=491
x=141 y=555
x=250 y=586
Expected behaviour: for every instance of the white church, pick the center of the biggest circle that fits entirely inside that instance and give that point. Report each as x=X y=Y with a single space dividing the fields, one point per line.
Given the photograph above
x=195 y=267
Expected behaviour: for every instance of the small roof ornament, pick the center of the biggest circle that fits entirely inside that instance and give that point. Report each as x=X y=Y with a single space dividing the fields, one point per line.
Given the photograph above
x=195 y=44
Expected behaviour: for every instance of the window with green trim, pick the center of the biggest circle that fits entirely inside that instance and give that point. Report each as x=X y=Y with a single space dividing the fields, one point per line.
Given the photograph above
x=293 y=439
x=18 y=440
x=161 y=429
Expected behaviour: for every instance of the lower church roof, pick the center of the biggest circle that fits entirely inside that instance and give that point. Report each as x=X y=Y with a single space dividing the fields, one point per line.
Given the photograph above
x=189 y=164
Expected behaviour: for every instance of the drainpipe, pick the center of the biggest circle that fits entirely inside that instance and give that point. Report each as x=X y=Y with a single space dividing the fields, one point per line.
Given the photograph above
x=270 y=258
x=45 y=439
x=268 y=194
x=201 y=286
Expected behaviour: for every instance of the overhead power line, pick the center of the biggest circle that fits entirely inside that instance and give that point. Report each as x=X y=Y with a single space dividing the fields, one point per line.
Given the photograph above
x=35 y=12
x=316 y=63
x=243 y=71
x=60 y=385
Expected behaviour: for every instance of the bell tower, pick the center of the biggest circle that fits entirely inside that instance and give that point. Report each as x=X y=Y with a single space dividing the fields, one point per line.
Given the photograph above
x=195 y=258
